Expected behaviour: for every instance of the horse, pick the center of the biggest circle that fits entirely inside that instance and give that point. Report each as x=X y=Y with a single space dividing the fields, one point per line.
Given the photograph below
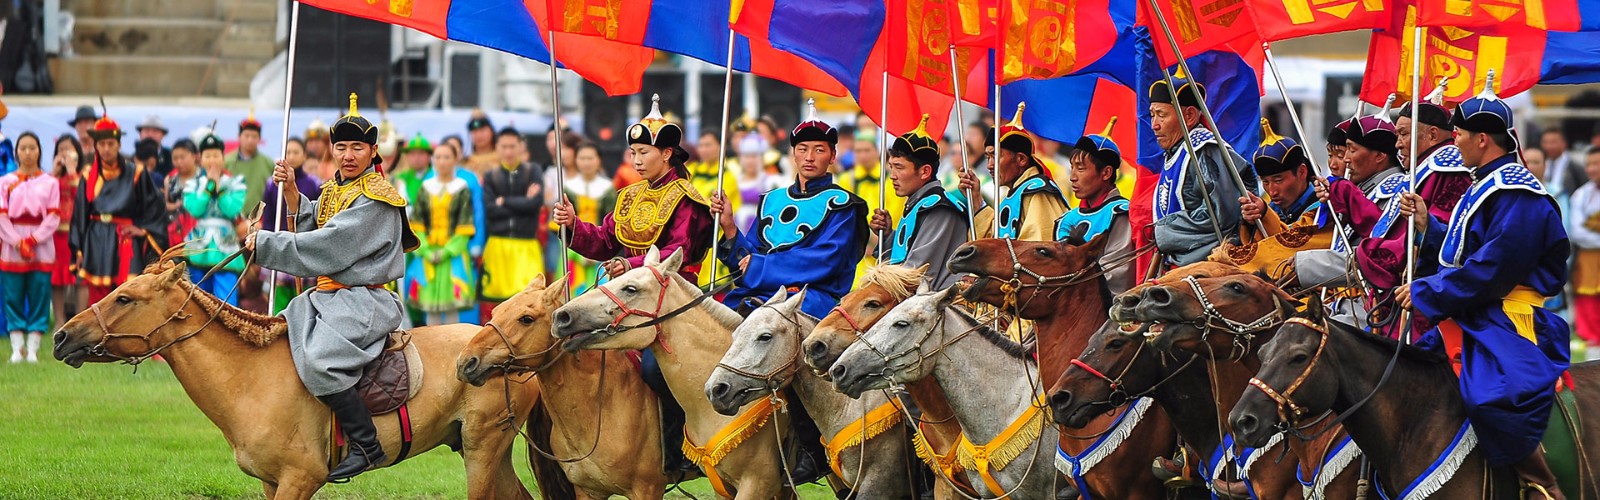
x=1314 y=365
x=603 y=451
x=279 y=433
x=937 y=431
x=1223 y=320
x=990 y=382
x=864 y=437
x=652 y=307
x=1061 y=287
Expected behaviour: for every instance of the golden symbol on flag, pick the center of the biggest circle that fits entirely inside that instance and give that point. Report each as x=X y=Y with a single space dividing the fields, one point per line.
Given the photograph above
x=973 y=14
x=1500 y=9
x=1189 y=15
x=1041 y=38
x=591 y=17
x=1301 y=11
x=1461 y=56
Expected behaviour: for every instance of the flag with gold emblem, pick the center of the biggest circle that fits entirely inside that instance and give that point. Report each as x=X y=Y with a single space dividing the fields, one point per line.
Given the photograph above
x=601 y=40
x=1285 y=19
x=1199 y=26
x=1463 y=57
x=1045 y=39
x=1549 y=15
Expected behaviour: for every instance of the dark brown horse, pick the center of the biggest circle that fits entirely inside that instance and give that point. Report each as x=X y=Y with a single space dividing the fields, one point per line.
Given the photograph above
x=1059 y=286
x=1314 y=365
x=1224 y=319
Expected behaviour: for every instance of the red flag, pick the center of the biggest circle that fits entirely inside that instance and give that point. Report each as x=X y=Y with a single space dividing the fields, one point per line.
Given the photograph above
x=601 y=40
x=919 y=34
x=1552 y=15
x=974 y=25
x=751 y=18
x=1049 y=38
x=1463 y=57
x=427 y=16
x=1284 y=19
x=1199 y=26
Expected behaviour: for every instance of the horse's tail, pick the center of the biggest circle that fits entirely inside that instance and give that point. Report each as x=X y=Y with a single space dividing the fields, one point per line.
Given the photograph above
x=553 y=482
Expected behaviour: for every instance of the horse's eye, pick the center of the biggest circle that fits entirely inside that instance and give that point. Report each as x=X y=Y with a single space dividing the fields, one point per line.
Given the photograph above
x=1236 y=288
x=872 y=304
x=764 y=337
x=1043 y=252
x=902 y=324
x=1299 y=359
x=1117 y=343
x=123 y=300
x=630 y=289
x=525 y=319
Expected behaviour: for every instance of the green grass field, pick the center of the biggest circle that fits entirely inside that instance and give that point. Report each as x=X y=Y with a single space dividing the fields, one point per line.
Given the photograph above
x=106 y=432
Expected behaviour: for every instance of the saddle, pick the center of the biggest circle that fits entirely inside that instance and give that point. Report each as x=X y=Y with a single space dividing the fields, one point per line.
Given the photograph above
x=394 y=378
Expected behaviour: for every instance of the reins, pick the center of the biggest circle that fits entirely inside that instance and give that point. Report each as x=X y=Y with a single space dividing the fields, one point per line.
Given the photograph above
x=99 y=348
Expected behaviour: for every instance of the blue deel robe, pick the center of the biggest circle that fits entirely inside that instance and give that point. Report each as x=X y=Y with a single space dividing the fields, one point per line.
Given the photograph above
x=1513 y=237
x=811 y=238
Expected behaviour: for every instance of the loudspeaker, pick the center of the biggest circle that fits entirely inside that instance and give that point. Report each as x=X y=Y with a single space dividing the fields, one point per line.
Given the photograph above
x=464 y=73
x=605 y=120
x=354 y=57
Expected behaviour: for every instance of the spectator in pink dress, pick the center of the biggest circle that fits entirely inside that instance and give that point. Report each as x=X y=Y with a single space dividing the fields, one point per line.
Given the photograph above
x=30 y=211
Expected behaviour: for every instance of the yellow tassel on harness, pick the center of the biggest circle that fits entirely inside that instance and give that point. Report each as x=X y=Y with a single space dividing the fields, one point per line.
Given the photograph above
x=1007 y=446
x=877 y=421
x=729 y=438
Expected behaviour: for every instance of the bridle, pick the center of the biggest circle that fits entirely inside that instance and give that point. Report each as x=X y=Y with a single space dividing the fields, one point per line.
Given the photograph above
x=916 y=347
x=1095 y=270
x=777 y=378
x=653 y=318
x=1243 y=333
x=512 y=366
x=1119 y=394
x=1289 y=411
x=179 y=314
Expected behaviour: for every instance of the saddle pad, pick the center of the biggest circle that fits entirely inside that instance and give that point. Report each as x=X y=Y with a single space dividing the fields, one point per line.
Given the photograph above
x=394 y=378
x=1560 y=447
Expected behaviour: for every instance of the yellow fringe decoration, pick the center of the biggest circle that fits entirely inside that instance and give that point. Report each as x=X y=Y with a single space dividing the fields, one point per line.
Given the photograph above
x=945 y=463
x=728 y=439
x=997 y=454
x=875 y=422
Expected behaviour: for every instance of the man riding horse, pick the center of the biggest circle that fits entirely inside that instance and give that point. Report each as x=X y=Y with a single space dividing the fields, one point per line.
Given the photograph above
x=934 y=222
x=1502 y=254
x=353 y=239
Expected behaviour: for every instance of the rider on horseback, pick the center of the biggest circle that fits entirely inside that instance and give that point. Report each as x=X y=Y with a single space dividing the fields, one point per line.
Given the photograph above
x=1186 y=224
x=1504 y=251
x=1093 y=173
x=662 y=210
x=353 y=239
x=1034 y=202
x=933 y=224
x=1293 y=216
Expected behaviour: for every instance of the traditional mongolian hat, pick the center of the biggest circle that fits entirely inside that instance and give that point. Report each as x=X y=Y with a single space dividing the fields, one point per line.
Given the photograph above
x=1101 y=147
x=418 y=143
x=211 y=141
x=250 y=122
x=1190 y=92
x=1484 y=113
x=479 y=120
x=353 y=127
x=656 y=130
x=813 y=129
x=918 y=145
x=1339 y=135
x=1375 y=132
x=105 y=127
x=1013 y=136
x=1431 y=110
x=1278 y=154
x=317 y=130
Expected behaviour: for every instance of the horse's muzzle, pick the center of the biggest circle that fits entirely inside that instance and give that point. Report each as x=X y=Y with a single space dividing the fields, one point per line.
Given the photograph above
x=472 y=371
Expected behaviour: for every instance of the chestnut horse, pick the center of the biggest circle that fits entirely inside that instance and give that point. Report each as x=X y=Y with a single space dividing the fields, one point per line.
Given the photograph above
x=1413 y=427
x=1223 y=319
x=606 y=424
x=882 y=288
x=235 y=366
x=1059 y=286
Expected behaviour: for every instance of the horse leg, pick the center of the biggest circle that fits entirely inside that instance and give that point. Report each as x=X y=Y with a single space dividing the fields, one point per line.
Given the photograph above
x=297 y=485
x=270 y=489
x=490 y=473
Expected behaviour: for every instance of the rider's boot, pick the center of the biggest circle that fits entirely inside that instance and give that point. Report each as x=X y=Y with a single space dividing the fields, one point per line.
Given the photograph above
x=365 y=453
x=810 y=457
x=1175 y=472
x=1539 y=483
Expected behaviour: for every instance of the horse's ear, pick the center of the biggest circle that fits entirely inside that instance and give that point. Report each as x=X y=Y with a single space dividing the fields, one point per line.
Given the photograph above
x=536 y=283
x=673 y=262
x=778 y=298
x=652 y=256
x=923 y=287
x=947 y=297
x=178 y=272
x=1097 y=246
x=556 y=293
x=788 y=307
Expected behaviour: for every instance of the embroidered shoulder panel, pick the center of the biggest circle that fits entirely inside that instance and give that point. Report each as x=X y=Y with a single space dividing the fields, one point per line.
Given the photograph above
x=642 y=211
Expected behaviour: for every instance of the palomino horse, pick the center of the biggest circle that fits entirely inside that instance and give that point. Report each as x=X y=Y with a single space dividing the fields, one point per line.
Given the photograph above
x=882 y=288
x=651 y=307
x=865 y=441
x=1223 y=320
x=606 y=425
x=990 y=382
x=280 y=433
x=1061 y=288
x=1413 y=428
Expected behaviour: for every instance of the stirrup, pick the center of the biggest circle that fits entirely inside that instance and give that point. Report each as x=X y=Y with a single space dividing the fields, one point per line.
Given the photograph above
x=1536 y=487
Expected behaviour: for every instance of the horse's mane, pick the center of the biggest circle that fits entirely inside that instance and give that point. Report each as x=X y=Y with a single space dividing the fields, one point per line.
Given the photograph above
x=722 y=314
x=899 y=281
x=994 y=337
x=1387 y=344
x=255 y=329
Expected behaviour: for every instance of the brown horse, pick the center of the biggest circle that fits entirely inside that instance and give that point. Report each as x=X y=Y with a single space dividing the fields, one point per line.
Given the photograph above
x=1058 y=285
x=1314 y=366
x=1224 y=320
x=605 y=418
x=882 y=288
x=280 y=433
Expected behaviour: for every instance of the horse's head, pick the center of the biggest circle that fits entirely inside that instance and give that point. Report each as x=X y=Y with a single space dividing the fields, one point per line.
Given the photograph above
x=1012 y=270
x=764 y=357
x=607 y=316
x=1124 y=307
x=897 y=350
x=1235 y=308
x=882 y=288
x=1107 y=375
x=130 y=323
x=1294 y=381
x=518 y=338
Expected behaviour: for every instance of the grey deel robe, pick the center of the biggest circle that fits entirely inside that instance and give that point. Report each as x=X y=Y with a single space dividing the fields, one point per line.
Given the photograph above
x=1187 y=236
x=940 y=231
x=333 y=335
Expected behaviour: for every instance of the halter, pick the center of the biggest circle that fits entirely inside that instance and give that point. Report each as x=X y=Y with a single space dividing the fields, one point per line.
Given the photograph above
x=653 y=318
x=1288 y=410
x=1094 y=271
x=916 y=348
x=1211 y=318
x=511 y=365
x=773 y=380
x=1119 y=395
